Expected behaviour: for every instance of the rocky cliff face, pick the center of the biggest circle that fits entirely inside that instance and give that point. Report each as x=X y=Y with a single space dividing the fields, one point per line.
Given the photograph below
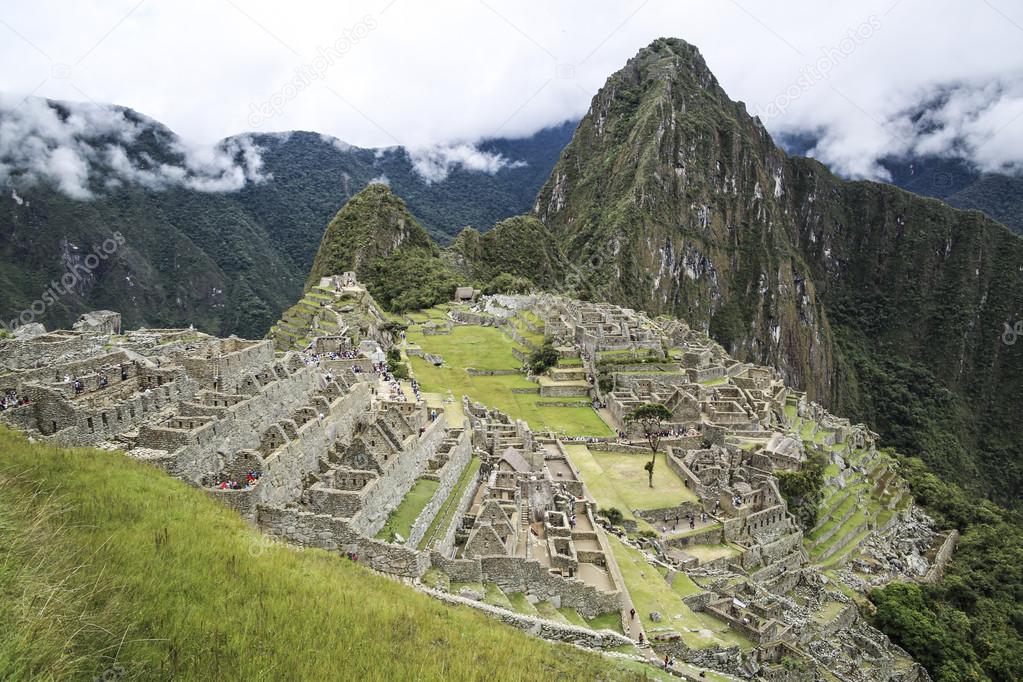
x=671 y=198
x=886 y=305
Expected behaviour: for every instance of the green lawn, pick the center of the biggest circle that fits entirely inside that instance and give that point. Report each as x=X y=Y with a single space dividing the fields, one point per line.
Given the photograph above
x=442 y=521
x=106 y=561
x=650 y=592
x=520 y=604
x=619 y=480
x=488 y=348
x=404 y=515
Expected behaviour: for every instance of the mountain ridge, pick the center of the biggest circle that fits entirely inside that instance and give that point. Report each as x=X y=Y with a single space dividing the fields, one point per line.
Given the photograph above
x=228 y=262
x=862 y=293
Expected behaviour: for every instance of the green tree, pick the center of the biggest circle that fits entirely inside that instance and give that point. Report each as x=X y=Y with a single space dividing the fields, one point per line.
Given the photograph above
x=651 y=417
x=543 y=358
x=507 y=283
x=802 y=489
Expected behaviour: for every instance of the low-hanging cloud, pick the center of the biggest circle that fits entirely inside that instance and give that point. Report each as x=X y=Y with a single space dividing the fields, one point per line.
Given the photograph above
x=969 y=121
x=446 y=73
x=435 y=163
x=84 y=148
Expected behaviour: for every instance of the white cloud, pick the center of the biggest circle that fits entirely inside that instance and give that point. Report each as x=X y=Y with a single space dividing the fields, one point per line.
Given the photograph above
x=380 y=180
x=433 y=164
x=74 y=143
x=445 y=73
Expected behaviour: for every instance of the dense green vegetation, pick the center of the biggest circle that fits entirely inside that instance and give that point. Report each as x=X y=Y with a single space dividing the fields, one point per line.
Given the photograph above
x=543 y=358
x=519 y=246
x=376 y=237
x=968 y=625
x=955 y=181
x=107 y=566
x=803 y=489
x=412 y=279
x=232 y=262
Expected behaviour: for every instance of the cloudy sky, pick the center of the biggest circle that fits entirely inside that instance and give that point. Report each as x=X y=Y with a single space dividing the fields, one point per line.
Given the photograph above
x=443 y=73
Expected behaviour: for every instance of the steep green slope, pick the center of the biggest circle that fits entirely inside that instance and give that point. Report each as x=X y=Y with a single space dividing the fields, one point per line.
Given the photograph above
x=109 y=567
x=889 y=307
x=967 y=625
x=520 y=246
x=376 y=237
x=182 y=261
x=955 y=181
x=373 y=224
x=673 y=199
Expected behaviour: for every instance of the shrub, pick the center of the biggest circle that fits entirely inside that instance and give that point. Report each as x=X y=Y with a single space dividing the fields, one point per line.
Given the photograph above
x=543 y=358
x=507 y=283
x=802 y=489
x=613 y=515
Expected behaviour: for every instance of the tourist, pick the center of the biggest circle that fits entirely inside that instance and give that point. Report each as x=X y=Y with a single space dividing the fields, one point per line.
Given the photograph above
x=632 y=614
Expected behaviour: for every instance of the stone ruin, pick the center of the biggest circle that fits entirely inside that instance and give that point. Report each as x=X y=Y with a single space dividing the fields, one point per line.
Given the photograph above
x=313 y=447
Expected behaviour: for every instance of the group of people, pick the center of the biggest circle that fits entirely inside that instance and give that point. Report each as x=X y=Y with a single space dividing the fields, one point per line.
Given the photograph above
x=313 y=359
x=102 y=381
x=393 y=385
x=11 y=399
x=250 y=480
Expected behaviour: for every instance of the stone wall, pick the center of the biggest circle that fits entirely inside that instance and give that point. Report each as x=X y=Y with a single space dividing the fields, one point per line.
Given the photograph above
x=458 y=459
x=242 y=501
x=458 y=570
x=538 y=627
x=288 y=466
x=515 y=574
x=558 y=391
x=337 y=535
x=942 y=557
x=387 y=558
x=381 y=498
x=307 y=529
x=446 y=544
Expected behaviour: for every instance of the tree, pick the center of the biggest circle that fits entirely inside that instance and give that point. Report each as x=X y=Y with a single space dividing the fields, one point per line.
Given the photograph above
x=651 y=417
x=543 y=358
x=803 y=489
x=507 y=283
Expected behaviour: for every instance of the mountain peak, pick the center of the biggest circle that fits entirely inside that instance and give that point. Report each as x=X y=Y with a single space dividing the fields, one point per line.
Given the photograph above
x=371 y=225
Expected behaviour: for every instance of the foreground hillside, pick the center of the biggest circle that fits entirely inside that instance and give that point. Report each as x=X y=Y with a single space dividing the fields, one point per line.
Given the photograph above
x=107 y=564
